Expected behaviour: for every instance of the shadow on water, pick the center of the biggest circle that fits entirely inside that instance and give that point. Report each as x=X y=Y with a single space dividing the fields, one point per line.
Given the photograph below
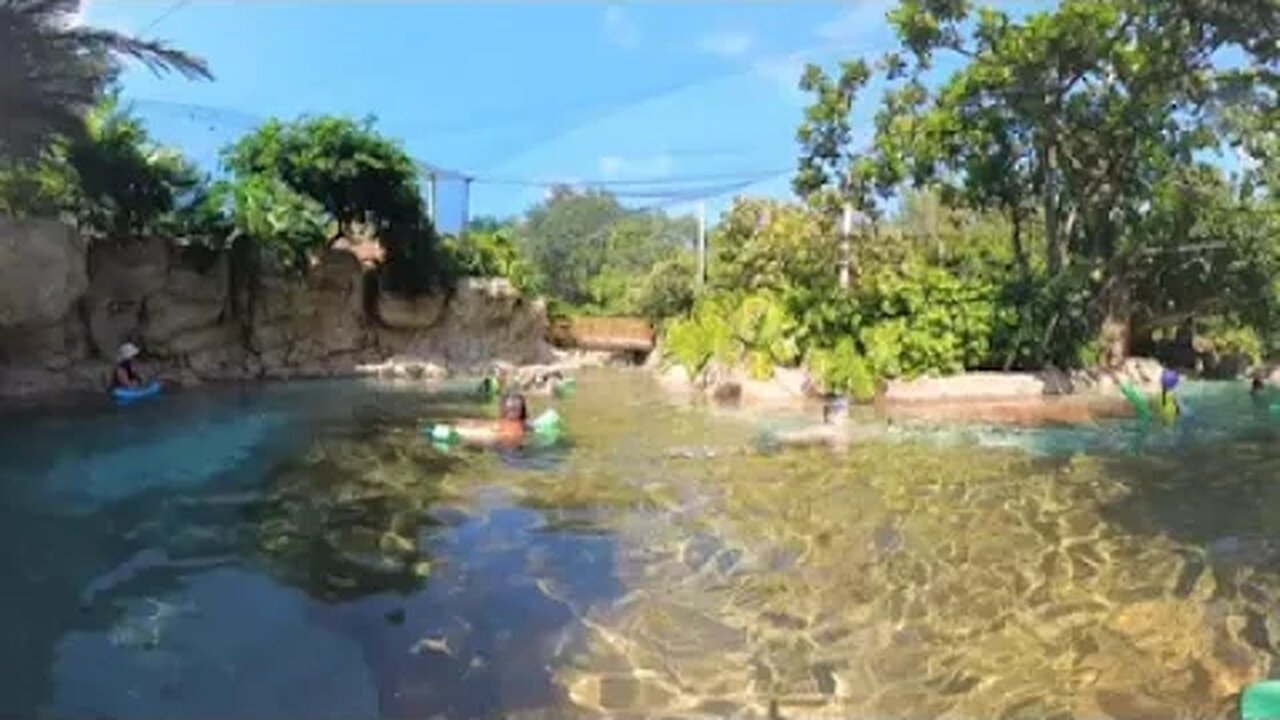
x=174 y=562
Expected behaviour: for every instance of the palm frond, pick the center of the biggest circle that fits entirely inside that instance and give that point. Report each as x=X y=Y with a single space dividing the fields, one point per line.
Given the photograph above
x=155 y=54
x=52 y=71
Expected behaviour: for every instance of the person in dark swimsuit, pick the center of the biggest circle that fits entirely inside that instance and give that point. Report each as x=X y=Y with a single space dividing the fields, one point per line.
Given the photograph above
x=125 y=375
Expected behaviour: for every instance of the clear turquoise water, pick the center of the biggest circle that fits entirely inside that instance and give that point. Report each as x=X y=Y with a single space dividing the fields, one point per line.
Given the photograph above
x=1213 y=413
x=134 y=587
x=298 y=550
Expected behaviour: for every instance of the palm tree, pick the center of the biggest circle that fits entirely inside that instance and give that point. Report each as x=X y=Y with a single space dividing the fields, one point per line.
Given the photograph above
x=53 y=70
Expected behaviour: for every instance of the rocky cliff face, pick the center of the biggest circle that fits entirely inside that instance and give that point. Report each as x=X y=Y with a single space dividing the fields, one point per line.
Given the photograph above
x=64 y=309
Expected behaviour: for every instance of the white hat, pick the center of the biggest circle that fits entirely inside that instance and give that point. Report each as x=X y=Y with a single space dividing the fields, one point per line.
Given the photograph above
x=127 y=351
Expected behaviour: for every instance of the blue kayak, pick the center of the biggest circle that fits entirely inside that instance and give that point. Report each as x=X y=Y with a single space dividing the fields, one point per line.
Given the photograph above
x=125 y=396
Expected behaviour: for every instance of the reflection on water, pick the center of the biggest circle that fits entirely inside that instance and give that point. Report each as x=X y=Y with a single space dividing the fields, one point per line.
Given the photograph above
x=299 y=550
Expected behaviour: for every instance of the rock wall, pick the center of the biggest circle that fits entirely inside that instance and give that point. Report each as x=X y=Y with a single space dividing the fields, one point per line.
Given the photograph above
x=65 y=308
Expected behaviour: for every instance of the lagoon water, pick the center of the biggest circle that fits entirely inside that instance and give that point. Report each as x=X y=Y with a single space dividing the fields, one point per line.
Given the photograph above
x=300 y=550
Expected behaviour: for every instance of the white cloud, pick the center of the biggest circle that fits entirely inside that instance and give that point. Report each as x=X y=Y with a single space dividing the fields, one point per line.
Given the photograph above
x=656 y=167
x=620 y=29
x=726 y=43
x=856 y=23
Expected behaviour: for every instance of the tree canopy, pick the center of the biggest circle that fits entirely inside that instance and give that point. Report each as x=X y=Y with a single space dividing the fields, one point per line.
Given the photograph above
x=307 y=182
x=53 y=71
x=591 y=251
x=1081 y=117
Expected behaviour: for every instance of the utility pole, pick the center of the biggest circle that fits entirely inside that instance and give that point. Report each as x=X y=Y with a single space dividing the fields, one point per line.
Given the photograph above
x=466 y=205
x=431 y=197
x=846 y=245
x=702 y=243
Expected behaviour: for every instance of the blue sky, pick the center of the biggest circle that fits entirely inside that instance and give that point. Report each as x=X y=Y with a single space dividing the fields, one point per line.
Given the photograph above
x=511 y=92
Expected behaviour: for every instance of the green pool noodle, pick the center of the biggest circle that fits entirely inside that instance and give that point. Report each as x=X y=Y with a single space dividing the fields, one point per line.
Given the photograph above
x=1261 y=701
x=565 y=388
x=546 y=424
x=1168 y=408
x=442 y=433
x=1140 y=404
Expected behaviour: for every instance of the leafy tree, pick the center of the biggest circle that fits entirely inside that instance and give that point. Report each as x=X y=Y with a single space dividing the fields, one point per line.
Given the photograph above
x=589 y=249
x=288 y=225
x=771 y=245
x=566 y=238
x=357 y=175
x=830 y=170
x=112 y=179
x=1209 y=252
x=478 y=253
x=1088 y=106
x=667 y=291
x=52 y=71
x=361 y=181
x=129 y=186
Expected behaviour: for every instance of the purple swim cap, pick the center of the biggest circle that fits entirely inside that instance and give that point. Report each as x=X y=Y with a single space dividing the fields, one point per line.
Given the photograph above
x=1168 y=379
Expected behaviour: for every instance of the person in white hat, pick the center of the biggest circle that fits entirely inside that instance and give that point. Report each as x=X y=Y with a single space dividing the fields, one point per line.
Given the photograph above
x=125 y=374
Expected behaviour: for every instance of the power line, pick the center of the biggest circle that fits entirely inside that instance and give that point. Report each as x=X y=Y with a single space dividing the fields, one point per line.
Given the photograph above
x=668 y=180
x=161 y=17
x=652 y=186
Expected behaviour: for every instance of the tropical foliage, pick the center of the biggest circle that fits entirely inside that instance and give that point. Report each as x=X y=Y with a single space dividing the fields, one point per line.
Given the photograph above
x=593 y=253
x=52 y=71
x=1038 y=189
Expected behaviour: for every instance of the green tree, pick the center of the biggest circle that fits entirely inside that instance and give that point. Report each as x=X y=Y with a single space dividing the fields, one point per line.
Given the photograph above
x=589 y=249
x=112 y=178
x=285 y=223
x=358 y=176
x=566 y=237
x=129 y=186
x=478 y=253
x=772 y=245
x=362 y=181
x=830 y=170
x=1088 y=106
x=52 y=71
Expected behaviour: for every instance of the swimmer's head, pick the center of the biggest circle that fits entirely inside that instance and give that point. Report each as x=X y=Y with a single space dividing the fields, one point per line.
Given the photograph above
x=835 y=410
x=514 y=408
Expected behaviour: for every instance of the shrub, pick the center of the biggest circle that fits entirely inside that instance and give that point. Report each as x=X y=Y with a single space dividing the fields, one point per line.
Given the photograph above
x=1041 y=321
x=1224 y=337
x=667 y=291
x=490 y=254
x=842 y=370
x=754 y=331
x=921 y=320
x=704 y=336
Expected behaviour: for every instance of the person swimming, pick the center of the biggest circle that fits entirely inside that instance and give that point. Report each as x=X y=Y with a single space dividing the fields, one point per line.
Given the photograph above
x=509 y=430
x=513 y=418
x=832 y=431
x=125 y=374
